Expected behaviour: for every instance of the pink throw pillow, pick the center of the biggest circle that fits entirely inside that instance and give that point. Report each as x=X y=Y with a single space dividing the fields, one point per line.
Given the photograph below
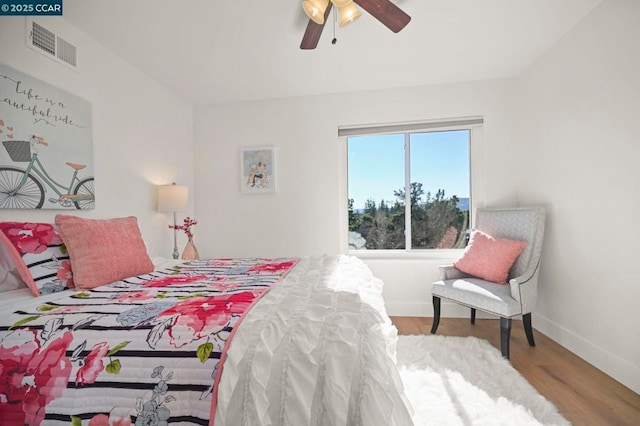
x=12 y=268
x=37 y=253
x=103 y=251
x=489 y=258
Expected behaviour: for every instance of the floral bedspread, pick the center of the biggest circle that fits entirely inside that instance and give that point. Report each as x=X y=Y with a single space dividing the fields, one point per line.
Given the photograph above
x=141 y=351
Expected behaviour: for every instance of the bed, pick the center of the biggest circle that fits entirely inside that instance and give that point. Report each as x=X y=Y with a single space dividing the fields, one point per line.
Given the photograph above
x=243 y=341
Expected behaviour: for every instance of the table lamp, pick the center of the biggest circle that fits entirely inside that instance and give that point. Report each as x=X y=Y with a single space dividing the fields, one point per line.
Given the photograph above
x=173 y=198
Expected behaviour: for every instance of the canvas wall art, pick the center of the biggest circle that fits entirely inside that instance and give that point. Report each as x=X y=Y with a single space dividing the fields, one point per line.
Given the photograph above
x=46 y=157
x=258 y=170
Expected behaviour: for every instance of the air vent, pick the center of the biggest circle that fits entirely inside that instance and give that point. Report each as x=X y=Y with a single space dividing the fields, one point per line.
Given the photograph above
x=43 y=39
x=66 y=52
x=50 y=44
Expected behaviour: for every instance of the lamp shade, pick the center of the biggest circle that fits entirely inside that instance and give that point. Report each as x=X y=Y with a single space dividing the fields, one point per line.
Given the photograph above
x=173 y=198
x=315 y=10
x=348 y=13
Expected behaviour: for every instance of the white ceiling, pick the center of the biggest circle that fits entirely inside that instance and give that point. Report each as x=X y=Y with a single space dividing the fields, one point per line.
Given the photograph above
x=212 y=51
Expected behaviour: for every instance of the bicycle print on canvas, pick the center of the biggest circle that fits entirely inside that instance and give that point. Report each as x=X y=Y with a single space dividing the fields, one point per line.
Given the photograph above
x=46 y=158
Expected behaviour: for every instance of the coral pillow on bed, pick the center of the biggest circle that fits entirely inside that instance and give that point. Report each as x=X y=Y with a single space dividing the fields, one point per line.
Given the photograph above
x=37 y=254
x=103 y=251
x=489 y=258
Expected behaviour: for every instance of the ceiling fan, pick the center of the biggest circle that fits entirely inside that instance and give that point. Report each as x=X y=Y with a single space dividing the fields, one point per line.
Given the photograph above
x=318 y=11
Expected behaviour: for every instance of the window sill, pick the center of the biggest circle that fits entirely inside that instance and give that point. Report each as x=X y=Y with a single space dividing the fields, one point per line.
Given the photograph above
x=443 y=256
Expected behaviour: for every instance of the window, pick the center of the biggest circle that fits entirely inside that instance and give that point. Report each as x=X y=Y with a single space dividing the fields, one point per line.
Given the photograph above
x=433 y=160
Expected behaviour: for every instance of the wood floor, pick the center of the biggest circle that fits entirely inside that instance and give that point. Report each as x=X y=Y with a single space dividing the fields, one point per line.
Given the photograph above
x=582 y=393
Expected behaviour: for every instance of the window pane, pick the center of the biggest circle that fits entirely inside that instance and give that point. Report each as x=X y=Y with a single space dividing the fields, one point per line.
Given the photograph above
x=440 y=189
x=376 y=174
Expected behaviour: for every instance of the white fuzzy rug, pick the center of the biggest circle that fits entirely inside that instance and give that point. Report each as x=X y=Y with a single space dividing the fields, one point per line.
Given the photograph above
x=465 y=381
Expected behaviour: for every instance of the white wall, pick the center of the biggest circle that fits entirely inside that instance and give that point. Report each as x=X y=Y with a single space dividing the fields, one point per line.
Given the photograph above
x=578 y=138
x=303 y=217
x=142 y=134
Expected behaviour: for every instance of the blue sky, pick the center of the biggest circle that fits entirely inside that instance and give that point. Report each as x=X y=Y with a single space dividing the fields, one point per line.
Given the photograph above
x=439 y=160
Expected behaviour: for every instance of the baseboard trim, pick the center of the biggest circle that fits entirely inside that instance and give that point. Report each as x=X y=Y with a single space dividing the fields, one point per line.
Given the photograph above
x=618 y=368
x=421 y=309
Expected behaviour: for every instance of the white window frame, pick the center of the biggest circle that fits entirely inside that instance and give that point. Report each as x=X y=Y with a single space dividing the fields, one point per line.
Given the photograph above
x=472 y=124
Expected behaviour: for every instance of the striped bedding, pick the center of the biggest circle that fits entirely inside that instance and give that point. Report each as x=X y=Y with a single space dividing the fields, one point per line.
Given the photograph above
x=157 y=349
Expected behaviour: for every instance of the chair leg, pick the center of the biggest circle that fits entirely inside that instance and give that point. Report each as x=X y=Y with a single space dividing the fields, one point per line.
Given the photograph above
x=473 y=315
x=436 y=314
x=526 y=322
x=505 y=333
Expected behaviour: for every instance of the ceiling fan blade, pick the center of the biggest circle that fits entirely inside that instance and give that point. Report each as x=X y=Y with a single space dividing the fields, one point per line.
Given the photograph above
x=386 y=12
x=312 y=34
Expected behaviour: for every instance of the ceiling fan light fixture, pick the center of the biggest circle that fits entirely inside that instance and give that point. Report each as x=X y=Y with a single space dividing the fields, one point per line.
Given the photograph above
x=389 y=15
x=348 y=13
x=315 y=10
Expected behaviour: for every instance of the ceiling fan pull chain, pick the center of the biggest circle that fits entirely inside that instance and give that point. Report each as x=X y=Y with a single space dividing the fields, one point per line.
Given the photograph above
x=335 y=18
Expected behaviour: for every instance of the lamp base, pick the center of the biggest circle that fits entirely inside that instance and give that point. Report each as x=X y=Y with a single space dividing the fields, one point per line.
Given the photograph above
x=176 y=253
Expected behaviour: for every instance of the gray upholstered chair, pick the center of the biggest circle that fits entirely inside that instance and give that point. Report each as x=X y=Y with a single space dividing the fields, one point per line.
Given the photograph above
x=518 y=296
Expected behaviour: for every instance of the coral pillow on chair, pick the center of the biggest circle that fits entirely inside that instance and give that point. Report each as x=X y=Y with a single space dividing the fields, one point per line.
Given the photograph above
x=103 y=251
x=489 y=258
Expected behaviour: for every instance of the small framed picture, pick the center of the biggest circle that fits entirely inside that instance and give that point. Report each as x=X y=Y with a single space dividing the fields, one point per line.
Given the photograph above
x=258 y=169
